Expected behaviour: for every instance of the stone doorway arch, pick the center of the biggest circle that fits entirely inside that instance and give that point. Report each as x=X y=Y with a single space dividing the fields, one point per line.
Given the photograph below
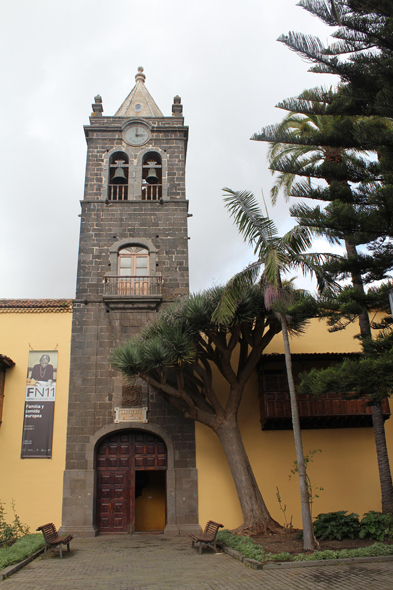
x=131 y=482
x=171 y=527
x=80 y=487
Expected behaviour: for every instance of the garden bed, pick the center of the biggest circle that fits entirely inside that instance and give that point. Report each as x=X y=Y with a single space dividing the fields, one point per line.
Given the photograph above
x=289 y=543
x=287 y=547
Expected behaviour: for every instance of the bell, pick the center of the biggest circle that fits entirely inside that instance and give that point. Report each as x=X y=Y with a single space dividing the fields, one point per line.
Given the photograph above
x=119 y=177
x=152 y=177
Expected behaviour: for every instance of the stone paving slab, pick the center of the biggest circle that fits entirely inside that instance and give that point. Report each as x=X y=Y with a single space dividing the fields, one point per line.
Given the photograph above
x=147 y=562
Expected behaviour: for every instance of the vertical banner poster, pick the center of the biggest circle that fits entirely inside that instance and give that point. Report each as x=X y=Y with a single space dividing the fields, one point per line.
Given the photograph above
x=39 y=404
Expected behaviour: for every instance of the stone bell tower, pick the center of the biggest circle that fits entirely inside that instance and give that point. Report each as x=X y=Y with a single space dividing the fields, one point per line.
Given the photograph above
x=133 y=261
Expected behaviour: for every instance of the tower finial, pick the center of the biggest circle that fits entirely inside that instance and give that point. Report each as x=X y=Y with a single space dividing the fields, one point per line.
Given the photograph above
x=140 y=75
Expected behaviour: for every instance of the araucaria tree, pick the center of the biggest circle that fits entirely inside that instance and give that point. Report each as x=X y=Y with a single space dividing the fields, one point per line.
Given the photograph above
x=178 y=355
x=319 y=153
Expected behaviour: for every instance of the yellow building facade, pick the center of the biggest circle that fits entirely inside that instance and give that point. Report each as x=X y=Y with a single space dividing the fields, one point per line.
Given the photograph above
x=27 y=329
x=345 y=464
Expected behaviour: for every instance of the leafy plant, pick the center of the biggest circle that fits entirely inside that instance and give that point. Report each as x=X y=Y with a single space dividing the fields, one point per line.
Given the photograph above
x=313 y=491
x=376 y=525
x=337 y=525
x=246 y=545
x=252 y=550
x=15 y=530
x=288 y=526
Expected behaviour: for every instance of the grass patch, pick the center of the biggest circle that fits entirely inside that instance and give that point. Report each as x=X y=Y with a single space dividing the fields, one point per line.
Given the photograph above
x=20 y=550
x=250 y=549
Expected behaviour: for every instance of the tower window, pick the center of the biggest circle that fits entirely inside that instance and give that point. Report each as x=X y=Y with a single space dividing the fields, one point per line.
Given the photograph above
x=118 y=177
x=133 y=271
x=151 y=177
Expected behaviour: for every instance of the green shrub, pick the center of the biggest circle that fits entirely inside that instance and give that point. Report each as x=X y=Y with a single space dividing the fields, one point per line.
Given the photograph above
x=283 y=556
x=20 y=550
x=252 y=550
x=15 y=530
x=376 y=525
x=246 y=545
x=337 y=525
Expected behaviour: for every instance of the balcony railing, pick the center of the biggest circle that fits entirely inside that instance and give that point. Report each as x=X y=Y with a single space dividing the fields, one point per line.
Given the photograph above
x=326 y=411
x=133 y=286
x=151 y=192
x=117 y=192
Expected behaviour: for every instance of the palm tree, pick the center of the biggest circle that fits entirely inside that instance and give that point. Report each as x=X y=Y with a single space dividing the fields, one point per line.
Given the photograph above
x=277 y=255
x=310 y=145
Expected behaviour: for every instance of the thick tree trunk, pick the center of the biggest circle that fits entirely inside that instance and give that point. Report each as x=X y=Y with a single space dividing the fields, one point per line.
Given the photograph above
x=308 y=533
x=385 y=476
x=257 y=519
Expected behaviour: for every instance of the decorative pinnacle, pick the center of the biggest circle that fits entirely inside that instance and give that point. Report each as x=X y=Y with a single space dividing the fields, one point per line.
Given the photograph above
x=140 y=75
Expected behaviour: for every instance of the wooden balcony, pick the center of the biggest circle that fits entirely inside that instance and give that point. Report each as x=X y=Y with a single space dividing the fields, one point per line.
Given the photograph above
x=327 y=411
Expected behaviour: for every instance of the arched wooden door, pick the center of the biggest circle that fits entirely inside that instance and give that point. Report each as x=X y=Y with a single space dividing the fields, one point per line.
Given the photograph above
x=119 y=457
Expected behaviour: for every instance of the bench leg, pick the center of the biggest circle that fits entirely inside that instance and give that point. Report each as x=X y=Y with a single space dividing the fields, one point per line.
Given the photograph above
x=61 y=551
x=68 y=547
x=200 y=547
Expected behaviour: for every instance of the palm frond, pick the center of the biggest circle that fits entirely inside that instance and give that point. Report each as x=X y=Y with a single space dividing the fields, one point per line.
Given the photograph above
x=247 y=215
x=234 y=292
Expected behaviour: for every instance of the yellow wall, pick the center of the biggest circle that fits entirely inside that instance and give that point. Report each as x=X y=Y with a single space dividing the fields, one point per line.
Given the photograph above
x=150 y=506
x=35 y=484
x=346 y=468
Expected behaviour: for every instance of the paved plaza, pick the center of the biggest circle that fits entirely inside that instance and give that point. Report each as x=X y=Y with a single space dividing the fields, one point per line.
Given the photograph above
x=147 y=562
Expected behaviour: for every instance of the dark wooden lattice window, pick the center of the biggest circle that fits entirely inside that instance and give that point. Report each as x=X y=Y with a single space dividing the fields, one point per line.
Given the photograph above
x=326 y=411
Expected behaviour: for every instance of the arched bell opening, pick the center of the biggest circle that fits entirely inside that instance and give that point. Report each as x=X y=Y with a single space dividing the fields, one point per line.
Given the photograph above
x=118 y=177
x=131 y=482
x=151 y=177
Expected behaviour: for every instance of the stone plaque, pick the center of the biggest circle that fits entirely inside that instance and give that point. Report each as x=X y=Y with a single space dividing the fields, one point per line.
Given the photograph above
x=131 y=415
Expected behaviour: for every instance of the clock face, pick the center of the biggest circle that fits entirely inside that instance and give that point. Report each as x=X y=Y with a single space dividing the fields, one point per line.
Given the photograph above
x=137 y=134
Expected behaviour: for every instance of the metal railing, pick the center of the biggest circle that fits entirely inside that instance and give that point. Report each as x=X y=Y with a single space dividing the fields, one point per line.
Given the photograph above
x=126 y=286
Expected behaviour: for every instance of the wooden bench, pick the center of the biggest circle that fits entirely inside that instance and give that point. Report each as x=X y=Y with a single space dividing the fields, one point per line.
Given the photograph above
x=52 y=538
x=208 y=537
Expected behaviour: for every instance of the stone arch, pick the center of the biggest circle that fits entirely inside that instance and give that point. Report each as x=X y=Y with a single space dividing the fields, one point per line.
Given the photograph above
x=143 y=242
x=164 y=162
x=112 y=428
x=107 y=156
x=171 y=527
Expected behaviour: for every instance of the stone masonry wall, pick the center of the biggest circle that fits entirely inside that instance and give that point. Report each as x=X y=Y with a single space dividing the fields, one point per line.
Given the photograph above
x=98 y=327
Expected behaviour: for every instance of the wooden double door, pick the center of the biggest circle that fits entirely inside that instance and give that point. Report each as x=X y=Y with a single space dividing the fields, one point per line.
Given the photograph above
x=124 y=462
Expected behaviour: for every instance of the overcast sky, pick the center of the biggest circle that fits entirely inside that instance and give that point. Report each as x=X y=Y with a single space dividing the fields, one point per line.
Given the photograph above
x=220 y=56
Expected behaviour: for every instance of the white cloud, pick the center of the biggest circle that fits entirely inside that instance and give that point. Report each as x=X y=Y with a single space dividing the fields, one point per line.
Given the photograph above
x=221 y=57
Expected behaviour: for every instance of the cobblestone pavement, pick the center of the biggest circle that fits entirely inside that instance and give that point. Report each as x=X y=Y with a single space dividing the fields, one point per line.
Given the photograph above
x=147 y=562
